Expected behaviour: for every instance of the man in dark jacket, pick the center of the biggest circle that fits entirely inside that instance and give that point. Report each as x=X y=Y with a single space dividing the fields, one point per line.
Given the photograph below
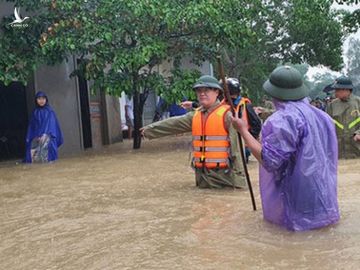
x=245 y=110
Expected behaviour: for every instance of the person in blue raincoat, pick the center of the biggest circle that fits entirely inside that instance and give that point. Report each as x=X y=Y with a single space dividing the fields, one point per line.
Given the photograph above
x=44 y=135
x=298 y=156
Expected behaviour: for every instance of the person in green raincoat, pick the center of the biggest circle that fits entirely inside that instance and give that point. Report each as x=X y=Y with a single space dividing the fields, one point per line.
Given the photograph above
x=215 y=167
x=345 y=111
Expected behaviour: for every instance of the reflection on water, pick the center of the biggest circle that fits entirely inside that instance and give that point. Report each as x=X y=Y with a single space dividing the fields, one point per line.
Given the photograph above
x=126 y=209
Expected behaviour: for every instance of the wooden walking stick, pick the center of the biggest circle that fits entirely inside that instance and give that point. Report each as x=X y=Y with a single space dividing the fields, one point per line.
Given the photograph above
x=229 y=101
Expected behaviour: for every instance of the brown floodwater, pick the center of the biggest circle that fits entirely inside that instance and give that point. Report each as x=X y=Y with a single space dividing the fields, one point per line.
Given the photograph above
x=125 y=209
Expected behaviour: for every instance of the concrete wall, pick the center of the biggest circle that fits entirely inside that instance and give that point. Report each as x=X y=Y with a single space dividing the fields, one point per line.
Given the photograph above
x=105 y=118
x=95 y=120
x=113 y=119
x=205 y=69
x=149 y=108
x=63 y=96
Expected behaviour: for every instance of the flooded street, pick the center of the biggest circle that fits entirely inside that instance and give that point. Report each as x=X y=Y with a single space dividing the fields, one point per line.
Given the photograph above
x=126 y=209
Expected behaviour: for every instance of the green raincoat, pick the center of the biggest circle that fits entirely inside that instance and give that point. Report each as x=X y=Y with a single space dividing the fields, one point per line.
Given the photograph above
x=205 y=178
x=346 y=116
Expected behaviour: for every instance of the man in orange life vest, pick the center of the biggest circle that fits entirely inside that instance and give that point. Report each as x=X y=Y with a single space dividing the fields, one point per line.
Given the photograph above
x=216 y=158
x=242 y=106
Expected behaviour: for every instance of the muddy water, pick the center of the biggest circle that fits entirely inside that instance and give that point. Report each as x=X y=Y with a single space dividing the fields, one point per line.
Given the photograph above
x=125 y=209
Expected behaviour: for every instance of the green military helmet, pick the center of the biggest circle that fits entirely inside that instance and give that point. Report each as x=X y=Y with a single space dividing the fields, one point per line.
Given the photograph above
x=285 y=83
x=343 y=83
x=207 y=81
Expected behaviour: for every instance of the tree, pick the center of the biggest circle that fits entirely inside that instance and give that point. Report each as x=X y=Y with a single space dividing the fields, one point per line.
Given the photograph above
x=252 y=62
x=292 y=31
x=311 y=33
x=121 y=43
x=351 y=21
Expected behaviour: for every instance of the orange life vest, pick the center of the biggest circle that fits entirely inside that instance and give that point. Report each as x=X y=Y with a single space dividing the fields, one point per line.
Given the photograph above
x=242 y=106
x=211 y=144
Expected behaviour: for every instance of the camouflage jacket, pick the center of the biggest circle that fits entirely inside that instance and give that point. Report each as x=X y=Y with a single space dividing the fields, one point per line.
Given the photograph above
x=346 y=117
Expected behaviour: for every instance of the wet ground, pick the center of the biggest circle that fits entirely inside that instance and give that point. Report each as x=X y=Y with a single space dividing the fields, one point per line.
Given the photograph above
x=126 y=209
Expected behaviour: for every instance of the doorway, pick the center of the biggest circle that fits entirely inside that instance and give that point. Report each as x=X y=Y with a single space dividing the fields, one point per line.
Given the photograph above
x=13 y=120
x=85 y=112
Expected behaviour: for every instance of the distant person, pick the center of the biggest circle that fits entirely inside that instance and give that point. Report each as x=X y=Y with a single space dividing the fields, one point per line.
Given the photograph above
x=329 y=96
x=161 y=111
x=327 y=100
x=245 y=110
x=44 y=136
x=345 y=111
x=266 y=109
x=317 y=103
x=176 y=110
x=298 y=157
x=129 y=115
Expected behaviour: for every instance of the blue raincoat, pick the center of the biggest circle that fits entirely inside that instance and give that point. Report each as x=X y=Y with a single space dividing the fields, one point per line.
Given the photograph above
x=43 y=122
x=298 y=177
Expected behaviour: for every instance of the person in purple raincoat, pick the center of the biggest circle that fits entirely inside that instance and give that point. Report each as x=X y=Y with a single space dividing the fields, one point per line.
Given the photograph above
x=298 y=156
x=44 y=135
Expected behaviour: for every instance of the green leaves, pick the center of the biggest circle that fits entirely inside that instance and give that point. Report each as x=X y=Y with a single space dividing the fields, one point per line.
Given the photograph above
x=318 y=30
x=179 y=85
x=108 y=36
x=126 y=43
x=128 y=38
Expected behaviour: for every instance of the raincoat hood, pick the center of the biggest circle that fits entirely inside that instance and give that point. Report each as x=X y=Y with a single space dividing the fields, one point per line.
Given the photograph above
x=41 y=94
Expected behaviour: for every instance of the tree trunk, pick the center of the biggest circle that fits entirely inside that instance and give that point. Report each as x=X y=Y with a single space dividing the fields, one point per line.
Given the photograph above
x=139 y=102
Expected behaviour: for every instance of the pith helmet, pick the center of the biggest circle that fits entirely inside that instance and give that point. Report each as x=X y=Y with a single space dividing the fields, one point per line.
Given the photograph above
x=343 y=83
x=207 y=81
x=285 y=83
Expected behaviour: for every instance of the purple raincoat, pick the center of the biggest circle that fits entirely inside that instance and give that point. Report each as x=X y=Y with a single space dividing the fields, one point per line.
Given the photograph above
x=298 y=177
